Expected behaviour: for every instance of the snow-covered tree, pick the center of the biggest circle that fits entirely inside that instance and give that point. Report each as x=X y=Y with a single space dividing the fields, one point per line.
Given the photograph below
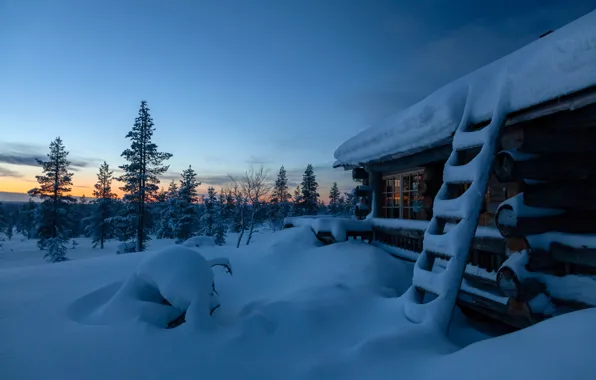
x=9 y=230
x=220 y=227
x=25 y=223
x=99 y=227
x=141 y=173
x=334 y=200
x=208 y=218
x=310 y=196
x=187 y=222
x=349 y=203
x=55 y=249
x=2 y=217
x=239 y=217
x=296 y=206
x=54 y=192
x=280 y=200
x=169 y=217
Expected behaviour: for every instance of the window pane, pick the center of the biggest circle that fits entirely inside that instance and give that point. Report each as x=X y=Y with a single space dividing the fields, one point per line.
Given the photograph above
x=406 y=182
x=390 y=212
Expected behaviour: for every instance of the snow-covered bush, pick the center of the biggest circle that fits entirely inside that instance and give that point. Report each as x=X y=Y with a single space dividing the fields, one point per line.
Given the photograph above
x=55 y=249
x=199 y=241
x=128 y=247
x=172 y=286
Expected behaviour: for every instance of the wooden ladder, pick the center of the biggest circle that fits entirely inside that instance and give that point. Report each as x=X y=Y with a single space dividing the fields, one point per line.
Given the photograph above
x=432 y=296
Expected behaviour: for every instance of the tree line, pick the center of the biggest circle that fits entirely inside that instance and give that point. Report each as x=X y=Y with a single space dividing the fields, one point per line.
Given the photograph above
x=247 y=202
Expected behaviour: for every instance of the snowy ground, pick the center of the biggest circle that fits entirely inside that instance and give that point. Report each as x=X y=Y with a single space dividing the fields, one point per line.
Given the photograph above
x=292 y=309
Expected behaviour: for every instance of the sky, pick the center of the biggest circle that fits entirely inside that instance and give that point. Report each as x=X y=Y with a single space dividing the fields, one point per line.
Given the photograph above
x=234 y=84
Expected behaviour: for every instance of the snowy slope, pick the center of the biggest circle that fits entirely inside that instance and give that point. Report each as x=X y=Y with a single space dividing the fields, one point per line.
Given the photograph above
x=291 y=310
x=553 y=66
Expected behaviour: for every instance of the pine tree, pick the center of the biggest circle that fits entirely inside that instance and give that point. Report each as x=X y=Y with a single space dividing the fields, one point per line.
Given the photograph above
x=280 y=200
x=168 y=219
x=99 y=222
x=334 y=200
x=3 y=218
x=219 y=229
x=297 y=209
x=310 y=197
x=54 y=192
x=208 y=218
x=141 y=177
x=350 y=202
x=186 y=224
x=26 y=219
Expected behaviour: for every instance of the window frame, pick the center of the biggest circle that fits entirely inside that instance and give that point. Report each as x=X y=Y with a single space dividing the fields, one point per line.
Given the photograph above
x=400 y=177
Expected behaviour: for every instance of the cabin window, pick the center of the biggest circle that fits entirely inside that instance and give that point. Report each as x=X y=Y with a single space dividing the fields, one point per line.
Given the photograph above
x=401 y=198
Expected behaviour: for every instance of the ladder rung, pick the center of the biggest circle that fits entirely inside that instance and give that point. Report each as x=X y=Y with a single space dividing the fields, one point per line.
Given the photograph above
x=438 y=248
x=427 y=281
x=450 y=208
x=466 y=140
x=441 y=245
x=460 y=174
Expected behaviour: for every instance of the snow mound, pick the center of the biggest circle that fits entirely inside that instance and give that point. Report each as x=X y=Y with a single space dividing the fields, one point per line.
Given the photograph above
x=167 y=284
x=337 y=226
x=300 y=236
x=199 y=241
x=126 y=247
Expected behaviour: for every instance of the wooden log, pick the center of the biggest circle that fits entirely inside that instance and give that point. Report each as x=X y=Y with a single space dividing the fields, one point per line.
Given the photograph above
x=510 y=224
x=359 y=173
x=566 y=195
x=363 y=191
x=405 y=232
x=537 y=139
x=511 y=166
x=567 y=254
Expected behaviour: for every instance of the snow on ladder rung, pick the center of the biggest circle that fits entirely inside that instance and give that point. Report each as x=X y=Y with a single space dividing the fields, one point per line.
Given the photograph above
x=450 y=208
x=438 y=248
x=459 y=174
x=427 y=281
x=466 y=140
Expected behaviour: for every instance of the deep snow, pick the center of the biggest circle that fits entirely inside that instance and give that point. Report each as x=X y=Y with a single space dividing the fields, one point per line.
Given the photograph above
x=293 y=309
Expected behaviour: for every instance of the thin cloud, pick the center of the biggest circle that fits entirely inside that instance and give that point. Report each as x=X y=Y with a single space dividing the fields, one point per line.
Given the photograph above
x=9 y=173
x=28 y=154
x=257 y=160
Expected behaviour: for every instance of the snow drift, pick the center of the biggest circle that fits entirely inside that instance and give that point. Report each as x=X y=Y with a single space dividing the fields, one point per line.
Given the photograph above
x=292 y=310
x=167 y=284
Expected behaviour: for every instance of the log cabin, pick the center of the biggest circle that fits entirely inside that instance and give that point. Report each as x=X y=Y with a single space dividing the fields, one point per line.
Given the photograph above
x=534 y=251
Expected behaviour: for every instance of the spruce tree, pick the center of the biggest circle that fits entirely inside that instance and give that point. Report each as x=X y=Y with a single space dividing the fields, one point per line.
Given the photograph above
x=53 y=231
x=141 y=173
x=26 y=219
x=186 y=224
x=334 y=199
x=208 y=218
x=220 y=229
x=3 y=219
x=297 y=208
x=168 y=218
x=99 y=228
x=310 y=196
x=280 y=199
x=350 y=202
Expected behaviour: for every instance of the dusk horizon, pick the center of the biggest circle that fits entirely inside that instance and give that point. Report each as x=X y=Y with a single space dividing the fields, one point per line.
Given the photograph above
x=232 y=87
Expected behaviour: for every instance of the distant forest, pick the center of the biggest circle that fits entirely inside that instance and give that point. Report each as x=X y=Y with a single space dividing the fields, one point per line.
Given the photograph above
x=146 y=210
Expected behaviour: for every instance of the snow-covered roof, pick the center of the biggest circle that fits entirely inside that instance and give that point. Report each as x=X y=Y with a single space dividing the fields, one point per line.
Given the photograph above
x=558 y=64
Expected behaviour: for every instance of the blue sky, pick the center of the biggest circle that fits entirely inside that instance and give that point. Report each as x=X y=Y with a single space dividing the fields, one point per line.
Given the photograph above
x=235 y=83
